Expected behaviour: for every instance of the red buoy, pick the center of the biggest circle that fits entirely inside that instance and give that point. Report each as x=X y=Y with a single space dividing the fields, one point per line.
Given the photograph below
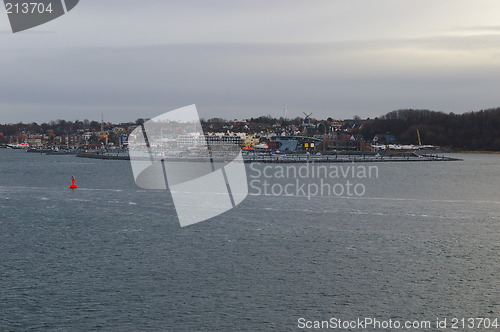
x=73 y=184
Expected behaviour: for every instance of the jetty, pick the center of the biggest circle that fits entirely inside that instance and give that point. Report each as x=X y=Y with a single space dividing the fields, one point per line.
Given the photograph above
x=348 y=158
x=104 y=155
x=341 y=157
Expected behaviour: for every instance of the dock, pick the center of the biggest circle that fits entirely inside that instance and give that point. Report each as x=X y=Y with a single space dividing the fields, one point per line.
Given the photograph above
x=349 y=158
x=295 y=158
x=104 y=155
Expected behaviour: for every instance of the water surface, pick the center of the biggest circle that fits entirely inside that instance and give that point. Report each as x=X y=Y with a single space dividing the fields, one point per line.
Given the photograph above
x=422 y=243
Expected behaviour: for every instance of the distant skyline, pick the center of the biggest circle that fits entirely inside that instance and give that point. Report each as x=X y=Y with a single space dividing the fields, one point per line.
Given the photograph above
x=241 y=59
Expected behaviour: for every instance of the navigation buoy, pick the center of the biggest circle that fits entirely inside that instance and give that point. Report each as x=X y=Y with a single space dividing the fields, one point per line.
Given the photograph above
x=73 y=184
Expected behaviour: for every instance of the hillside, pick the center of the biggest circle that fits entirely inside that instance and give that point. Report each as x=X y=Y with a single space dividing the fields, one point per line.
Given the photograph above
x=468 y=131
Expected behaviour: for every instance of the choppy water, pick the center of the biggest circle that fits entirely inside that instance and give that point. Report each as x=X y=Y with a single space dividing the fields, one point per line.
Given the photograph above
x=422 y=243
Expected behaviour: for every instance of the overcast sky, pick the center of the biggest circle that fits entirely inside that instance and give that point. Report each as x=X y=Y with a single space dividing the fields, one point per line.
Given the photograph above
x=236 y=59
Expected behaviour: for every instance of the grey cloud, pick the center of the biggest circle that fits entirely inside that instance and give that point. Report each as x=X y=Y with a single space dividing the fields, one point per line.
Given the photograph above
x=240 y=80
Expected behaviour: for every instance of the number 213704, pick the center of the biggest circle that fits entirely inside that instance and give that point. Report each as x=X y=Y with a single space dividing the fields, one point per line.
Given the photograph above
x=28 y=8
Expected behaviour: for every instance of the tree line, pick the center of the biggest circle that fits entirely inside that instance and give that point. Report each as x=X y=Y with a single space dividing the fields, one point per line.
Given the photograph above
x=468 y=131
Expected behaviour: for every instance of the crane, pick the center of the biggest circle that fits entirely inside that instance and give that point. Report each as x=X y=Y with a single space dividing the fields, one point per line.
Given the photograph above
x=418 y=138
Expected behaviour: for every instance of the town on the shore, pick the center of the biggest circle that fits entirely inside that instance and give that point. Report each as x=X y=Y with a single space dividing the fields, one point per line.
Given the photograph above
x=398 y=130
x=262 y=134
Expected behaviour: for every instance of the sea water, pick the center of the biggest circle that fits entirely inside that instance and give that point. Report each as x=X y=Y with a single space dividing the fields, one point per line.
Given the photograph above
x=422 y=243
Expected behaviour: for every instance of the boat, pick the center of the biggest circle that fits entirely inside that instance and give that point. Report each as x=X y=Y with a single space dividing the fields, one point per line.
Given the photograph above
x=18 y=146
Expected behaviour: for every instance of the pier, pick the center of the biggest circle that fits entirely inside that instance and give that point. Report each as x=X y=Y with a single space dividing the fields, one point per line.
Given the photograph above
x=348 y=158
x=104 y=155
x=294 y=158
